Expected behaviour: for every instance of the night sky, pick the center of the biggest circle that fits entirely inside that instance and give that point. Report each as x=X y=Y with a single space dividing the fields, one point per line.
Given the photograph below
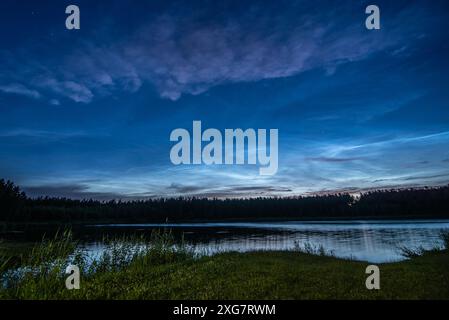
x=88 y=113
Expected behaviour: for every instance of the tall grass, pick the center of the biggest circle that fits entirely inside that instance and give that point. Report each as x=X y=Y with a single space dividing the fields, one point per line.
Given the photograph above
x=317 y=250
x=409 y=252
x=46 y=260
x=4 y=260
x=444 y=235
x=43 y=268
x=120 y=252
x=51 y=251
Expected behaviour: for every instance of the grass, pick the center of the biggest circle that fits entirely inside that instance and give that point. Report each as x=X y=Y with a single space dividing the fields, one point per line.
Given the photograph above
x=445 y=237
x=138 y=268
x=410 y=252
x=308 y=248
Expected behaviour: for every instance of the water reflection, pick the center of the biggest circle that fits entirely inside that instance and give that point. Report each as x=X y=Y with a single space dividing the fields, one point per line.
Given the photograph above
x=374 y=241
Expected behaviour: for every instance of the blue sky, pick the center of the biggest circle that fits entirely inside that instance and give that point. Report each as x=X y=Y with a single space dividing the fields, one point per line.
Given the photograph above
x=88 y=113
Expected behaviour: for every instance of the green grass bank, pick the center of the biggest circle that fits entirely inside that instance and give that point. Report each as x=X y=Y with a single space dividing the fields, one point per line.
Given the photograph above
x=161 y=272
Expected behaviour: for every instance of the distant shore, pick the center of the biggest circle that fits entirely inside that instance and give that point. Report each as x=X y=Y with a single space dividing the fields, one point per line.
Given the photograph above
x=249 y=220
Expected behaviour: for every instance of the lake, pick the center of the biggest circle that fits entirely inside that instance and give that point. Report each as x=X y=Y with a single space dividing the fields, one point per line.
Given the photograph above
x=374 y=241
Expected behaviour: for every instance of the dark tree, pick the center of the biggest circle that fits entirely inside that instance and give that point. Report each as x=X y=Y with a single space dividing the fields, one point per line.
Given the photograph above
x=11 y=200
x=400 y=203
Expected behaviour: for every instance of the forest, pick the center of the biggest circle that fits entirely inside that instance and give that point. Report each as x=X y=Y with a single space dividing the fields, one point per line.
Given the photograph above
x=427 y=202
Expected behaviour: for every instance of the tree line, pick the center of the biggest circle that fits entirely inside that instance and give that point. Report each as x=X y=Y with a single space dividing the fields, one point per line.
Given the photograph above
x=428 y=202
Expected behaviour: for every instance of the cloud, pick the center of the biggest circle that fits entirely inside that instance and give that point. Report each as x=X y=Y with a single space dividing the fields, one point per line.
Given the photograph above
x=54 y=102
x=182 y=189
x=261 y=189
x=328 y=159
x=19 y=89
x=189 y=52
x=78 y=191
x=83 y=74
x=70 y=89
x=225 y=192
x=41 y=135
x=83 y=191
x=422 y=178
x=236 y=50
x=395 y=142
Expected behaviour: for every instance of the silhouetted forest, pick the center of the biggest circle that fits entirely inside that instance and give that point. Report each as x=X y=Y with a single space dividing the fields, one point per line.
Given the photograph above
x=15 y=206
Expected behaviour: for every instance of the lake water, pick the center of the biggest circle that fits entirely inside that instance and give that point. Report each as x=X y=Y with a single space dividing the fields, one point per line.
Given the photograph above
x=373 y=241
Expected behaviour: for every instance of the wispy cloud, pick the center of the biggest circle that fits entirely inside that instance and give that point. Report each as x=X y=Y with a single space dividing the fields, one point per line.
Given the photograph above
x=184 y=189
x=19 y=89
x=228 y=191
x=78 y=191
x=330 y=159
x=188 y=53
x=41 y=135
x=336 y=149
x=73 y=90
x=242 y=50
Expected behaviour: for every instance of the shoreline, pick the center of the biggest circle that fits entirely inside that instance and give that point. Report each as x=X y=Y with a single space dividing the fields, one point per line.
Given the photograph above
x=254 y=275
x=236 y=220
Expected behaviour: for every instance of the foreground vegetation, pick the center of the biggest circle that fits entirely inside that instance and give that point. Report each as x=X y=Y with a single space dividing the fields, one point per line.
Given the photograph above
x=156 y=269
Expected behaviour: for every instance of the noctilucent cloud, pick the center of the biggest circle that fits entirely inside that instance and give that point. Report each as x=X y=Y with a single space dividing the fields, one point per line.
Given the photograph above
x=88 y=113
